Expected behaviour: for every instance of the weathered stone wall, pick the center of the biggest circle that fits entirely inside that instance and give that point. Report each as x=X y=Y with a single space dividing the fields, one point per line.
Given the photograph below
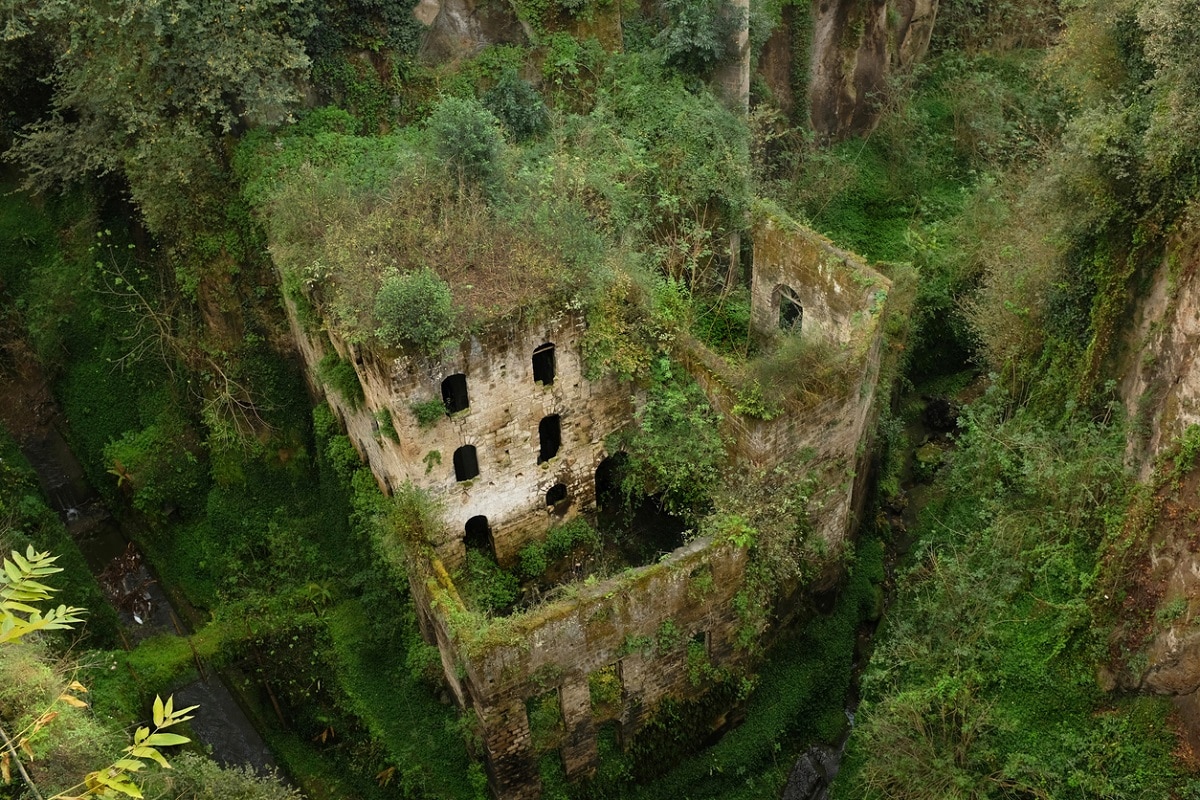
x=843 y=300
x=642 y=622
x=506 y=406
x=836 y=289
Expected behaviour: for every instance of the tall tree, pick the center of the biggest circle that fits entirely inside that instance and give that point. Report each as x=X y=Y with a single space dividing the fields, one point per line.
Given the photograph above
x=149 y=88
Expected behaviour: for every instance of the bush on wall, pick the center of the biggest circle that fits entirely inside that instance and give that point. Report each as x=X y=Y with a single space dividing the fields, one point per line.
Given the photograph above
x=415 y=308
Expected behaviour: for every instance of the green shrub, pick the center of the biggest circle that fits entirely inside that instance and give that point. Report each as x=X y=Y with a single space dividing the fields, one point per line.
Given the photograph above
x=561 y=539
x=545 y=721
x=533 y=560
x=428 y=412
x=466 y=136
x=536 y=557
x=339 y=375
x=752 y=403
x=668 y=636
x=416 y=309
x=675 y=449
x=699 y=35
x=194 y=777
x=604 y=689
x=724 y=325
x=156 y=468
x=485 y=586
x=517 y=105
x=383 y=417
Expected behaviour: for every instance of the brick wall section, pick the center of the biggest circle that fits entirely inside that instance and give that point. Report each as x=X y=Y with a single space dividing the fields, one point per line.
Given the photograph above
x=579 y=751
x=617 y=621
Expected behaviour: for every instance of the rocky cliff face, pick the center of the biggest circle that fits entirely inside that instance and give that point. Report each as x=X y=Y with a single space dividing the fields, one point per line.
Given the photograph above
x=857 y=46
x=1161 y=378
x=1160 y=387
x=459 y=28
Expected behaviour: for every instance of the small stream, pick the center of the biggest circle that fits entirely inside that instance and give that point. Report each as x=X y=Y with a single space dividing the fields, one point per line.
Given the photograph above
x=220 y=723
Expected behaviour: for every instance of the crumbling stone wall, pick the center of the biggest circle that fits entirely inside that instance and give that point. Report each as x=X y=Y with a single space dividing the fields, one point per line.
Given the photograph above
x=501 y=422
x=639 y=623
x=642 y=622
x=843 y=301
x=834 y=287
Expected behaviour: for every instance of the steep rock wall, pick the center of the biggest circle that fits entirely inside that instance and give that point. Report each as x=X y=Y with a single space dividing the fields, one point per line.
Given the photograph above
x=857 y=45
x=1159 y=371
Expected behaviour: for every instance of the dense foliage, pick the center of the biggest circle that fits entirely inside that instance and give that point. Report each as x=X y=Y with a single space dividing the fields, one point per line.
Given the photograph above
x=984 y=684
x=1030 y=172
x=675 y=449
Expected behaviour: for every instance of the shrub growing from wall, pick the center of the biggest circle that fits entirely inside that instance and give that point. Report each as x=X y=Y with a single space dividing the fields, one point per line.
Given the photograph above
x=415 y=309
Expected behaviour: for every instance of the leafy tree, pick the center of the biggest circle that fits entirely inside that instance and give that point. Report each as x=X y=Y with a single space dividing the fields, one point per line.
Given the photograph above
x=516 y=104
x=148 y=89
x=416 y=309
x=467 y=137
x=700 y=34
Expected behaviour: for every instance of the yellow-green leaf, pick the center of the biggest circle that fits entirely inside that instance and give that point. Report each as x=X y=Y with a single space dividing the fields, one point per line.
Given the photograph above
x=166 y=739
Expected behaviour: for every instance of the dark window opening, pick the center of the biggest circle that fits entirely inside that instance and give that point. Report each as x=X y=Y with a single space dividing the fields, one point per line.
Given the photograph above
x=791 y=313
x=466 y=464
x=700 y=642
x=557 y=498
x=454 y=393
x=549 y=437
x=609 y=475
x=478 y=536
x=543 y=364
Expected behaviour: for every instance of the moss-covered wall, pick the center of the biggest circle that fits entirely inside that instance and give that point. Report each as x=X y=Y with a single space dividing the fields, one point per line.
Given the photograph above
x=839 y=293
x=641 y=622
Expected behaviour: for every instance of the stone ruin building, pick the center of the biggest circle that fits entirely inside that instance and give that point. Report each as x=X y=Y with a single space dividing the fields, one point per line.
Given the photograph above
x=522 y=447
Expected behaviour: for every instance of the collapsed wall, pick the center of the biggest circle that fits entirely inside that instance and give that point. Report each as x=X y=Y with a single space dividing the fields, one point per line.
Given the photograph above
x=602 y=653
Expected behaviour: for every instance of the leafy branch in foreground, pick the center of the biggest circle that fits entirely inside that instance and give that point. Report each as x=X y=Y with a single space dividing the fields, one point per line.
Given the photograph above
x=19 y=588
x=115 y=780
